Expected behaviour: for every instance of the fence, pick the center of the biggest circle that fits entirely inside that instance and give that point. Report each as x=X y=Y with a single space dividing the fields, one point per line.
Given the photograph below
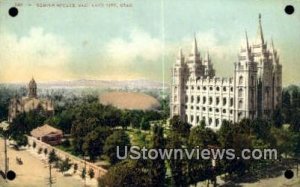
x=99 y=171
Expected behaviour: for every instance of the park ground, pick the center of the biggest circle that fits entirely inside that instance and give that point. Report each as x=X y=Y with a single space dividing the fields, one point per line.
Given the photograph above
x=34 y=173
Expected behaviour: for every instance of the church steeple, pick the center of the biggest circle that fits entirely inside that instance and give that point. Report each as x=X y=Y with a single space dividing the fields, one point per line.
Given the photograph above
x=260 y=35
x=32 y=89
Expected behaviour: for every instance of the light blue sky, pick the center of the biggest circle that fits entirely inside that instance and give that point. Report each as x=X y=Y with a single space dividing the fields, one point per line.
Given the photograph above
x=129 y=43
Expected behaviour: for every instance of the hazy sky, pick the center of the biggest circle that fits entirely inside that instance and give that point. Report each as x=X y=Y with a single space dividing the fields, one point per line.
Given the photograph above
x=131 y=43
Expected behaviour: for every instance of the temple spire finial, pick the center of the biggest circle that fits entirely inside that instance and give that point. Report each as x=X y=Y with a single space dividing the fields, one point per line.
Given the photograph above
x=260 y=36
x=207 y=57
x=272 y=43
x=180 y=55
x=247 y=42
x=195 y=47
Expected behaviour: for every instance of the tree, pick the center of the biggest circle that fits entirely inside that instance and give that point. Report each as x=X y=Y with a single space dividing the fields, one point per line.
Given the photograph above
x=180 y=127
x=132 y=173
x=201 y=138
x=202 y=124
x=286 y=106
x=178 y=166
x=125 y=119
x=83 y=173
x=52 y=157
x=94 y=142
x=236 y=137
x=21 y=141
x=157 y=166
x=66 y=143
x=118 y=138
x=294 y=120
x=75 y=167
x=277 y=117
x=65 y=165
x=144 y=125
x=91 y=173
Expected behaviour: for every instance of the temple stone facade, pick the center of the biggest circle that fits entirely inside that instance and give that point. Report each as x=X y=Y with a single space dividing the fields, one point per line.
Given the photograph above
x=255 y=89
x=29 y=103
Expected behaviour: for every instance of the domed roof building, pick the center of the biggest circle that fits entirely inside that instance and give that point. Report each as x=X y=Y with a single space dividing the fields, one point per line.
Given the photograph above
x=29 y=103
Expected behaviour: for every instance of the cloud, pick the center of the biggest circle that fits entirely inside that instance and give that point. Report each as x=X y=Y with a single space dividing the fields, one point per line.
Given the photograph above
x=142 y=53
x=39 y=54
x=222 y=52
x=139 y=45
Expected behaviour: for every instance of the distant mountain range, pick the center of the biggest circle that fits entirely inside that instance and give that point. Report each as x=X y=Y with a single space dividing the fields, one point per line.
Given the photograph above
x=112 y=84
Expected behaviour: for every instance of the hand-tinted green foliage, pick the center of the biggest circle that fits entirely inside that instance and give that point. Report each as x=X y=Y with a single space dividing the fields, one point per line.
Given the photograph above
x=94 y=142
x=65 y=165
x=201 y=138
x=52 y=157
x=118 y=138
x=157 y=166
x=91 y=173
x=291 y=107
x=7 y=93
x=178 y=138
x=126 y=173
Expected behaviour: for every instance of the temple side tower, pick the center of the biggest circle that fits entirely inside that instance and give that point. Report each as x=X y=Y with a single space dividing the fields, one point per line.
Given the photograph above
x=245 y=74
x=179 y=73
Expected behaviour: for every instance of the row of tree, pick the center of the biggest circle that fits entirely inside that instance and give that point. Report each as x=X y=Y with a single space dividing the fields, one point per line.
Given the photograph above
x=247 y=134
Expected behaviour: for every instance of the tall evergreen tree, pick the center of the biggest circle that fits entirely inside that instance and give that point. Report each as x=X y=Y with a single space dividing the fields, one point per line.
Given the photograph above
x=157 y=166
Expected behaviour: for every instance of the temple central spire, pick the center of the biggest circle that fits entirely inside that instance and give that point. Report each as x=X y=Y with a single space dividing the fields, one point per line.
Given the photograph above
x=260 y=35
x=195 y=47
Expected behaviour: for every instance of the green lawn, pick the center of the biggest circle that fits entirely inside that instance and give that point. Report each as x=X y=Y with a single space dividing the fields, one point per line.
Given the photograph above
x=139 y=138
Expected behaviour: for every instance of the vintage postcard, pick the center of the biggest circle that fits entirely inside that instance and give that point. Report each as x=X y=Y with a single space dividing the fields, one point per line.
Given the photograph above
x=114 y=93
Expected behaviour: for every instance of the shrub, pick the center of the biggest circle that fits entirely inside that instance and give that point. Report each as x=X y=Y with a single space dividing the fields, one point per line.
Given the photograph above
x=91 y=173
x=75 y=167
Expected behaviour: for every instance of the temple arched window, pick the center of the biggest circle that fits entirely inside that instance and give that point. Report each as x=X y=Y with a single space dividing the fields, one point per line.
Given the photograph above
x=241 y=79
x=240 y=104
x=210 y=100
x=240 y=94
x=224 y=101
x=217 y=122
x=231 y=101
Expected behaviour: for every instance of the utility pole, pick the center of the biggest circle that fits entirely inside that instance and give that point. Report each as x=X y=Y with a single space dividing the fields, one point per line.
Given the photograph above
x=5 y=155
x=50 y=176
x=50 y=180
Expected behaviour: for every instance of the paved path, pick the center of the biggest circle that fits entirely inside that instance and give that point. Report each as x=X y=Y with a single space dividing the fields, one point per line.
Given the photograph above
x=33 y=173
